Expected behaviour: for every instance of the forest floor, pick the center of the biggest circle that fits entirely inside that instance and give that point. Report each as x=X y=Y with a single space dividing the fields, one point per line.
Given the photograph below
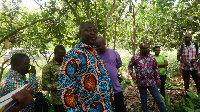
x=132 y=96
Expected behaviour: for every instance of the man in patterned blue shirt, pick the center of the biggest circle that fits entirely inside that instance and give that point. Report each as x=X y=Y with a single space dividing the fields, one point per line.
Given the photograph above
x=15 y=77
x=84 y=83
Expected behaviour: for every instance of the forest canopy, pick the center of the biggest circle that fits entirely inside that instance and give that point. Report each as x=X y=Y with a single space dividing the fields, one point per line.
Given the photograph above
x=125 y=23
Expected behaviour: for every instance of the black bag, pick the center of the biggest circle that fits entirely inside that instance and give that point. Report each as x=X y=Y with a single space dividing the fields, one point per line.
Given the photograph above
x=41 y=103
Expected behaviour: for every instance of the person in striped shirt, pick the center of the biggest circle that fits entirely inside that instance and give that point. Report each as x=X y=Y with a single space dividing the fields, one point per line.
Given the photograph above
x=187 y=54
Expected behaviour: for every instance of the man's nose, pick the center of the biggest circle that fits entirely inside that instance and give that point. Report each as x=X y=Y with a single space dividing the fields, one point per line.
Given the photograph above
x=92 y=32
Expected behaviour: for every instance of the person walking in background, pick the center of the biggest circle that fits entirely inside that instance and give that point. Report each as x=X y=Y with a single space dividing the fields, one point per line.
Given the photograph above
x=112 y=61
x=187 y=54
x=16 y=77
x=146 y=68
x=162 y=64
x=84 y=83
x=50 y=73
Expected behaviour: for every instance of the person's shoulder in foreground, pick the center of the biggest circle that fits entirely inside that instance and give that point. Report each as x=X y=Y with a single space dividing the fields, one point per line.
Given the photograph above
x=15 y=77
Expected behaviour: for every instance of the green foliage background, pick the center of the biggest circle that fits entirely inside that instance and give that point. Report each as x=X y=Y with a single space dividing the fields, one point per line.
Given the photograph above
x=123 y=23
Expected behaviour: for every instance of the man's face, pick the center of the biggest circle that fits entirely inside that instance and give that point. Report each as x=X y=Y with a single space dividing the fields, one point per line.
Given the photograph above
x=58 y=56
x=100 y=46
x=88 y=34
x=24 y=66
x=157 y=51
x=188 y=38
x=145 y=49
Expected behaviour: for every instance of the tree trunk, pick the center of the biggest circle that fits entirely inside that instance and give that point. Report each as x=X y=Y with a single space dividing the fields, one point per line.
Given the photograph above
x=134 y=31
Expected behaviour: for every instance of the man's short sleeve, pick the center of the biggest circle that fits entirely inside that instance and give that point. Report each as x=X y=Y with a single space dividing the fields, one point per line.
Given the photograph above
x=118 y=60
x=179 y=50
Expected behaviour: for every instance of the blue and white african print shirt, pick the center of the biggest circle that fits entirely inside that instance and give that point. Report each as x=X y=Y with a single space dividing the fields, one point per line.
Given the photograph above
x=14 y=80
x=84 y=83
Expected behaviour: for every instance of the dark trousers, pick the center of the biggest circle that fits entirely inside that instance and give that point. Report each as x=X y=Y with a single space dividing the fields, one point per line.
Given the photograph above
x=162 y=88
x=119 y=102
x=186 y=79
x=58 y=108
x=156 y=95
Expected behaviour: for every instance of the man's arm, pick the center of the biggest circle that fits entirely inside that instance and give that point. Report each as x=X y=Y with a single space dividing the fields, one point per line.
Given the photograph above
x=24 y=98
x=179 y=57
x=179 y=54
x=130 y=68
x=196 y=57
x=118 y=60
x=163 y=65
x=46 y=79
x=156 y=71
x=32 y=78
x=198 y=68
x=66 y=84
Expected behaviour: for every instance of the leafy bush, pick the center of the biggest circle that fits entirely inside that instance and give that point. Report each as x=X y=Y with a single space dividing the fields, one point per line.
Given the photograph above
x=125 y=82
x=126 y=58
x=191 y=104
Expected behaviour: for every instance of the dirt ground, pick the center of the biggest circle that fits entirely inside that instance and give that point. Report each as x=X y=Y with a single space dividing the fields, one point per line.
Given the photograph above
x=132 y=97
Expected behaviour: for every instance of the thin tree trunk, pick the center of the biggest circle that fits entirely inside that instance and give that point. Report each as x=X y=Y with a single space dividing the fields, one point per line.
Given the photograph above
x=134 y=32
x=115 y=35
x=105 y=21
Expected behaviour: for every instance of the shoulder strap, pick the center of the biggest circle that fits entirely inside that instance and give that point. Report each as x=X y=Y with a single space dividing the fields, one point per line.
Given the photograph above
x=182 y=49
x=197 y=48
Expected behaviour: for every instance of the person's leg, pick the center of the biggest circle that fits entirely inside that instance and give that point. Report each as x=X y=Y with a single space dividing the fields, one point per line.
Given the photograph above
x=154 y=92
x=119 y=102
x=58 y=108
x=196 y=80
x=162 y=88
x=143 y=97
x=186 y=78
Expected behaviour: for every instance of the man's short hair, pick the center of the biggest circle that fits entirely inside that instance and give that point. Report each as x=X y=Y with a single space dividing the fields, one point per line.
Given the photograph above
x=59 y=47
x=156 y=47
x=17 y=58
x=187 y=35
x=142 y=45
x=102 y=39
x=84 y=24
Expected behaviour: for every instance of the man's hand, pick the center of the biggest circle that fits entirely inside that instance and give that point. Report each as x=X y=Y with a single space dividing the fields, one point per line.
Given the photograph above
x=198 y=73
x=192 y=61
x=134 y=79
x=24 y=98
x=186 y=63
x=32 y=70
x=158 y=83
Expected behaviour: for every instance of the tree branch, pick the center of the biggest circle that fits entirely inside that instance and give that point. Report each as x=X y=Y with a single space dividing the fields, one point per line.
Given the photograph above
x=138 y=8
x=122 y=11
x=17 y=30
x=39 y=4
x=110 y=10
x=105 y=22
x=74 y=11
x=87 y=10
